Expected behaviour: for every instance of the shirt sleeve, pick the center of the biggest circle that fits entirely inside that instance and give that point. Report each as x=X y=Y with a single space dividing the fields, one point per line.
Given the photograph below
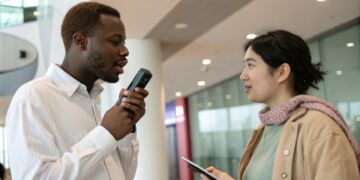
x=128 y=150
x=33 y=152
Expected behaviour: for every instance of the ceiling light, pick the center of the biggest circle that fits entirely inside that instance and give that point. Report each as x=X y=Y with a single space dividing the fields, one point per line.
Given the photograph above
x=251 y=36
x=339 y=72
x=181 y=26
x=350 y=44
x=36 y=13
x=320 y=0
x=178 y=94
x=206 y=61
x=201 y=83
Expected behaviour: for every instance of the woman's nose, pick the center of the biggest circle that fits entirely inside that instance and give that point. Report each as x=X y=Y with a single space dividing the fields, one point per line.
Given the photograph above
x=243 y=75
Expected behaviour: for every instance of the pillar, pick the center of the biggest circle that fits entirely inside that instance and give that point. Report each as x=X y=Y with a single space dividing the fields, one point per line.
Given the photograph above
x=152 y=160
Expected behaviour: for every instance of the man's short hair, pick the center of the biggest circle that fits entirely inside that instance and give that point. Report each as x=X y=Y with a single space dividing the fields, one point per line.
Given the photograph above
x=83 y=18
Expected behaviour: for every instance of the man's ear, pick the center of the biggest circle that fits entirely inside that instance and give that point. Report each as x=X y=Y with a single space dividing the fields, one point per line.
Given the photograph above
x=80 y=40
x=284 y=72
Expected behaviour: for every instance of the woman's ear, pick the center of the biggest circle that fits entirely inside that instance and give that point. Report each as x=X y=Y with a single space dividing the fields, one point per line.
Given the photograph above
x=284 y=72
x=80 y=40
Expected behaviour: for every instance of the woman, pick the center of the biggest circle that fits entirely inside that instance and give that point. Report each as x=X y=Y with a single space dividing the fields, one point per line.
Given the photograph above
x=300 y=136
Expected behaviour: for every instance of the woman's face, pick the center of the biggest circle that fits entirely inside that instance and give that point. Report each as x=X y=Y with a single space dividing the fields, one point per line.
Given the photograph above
x=261 y=86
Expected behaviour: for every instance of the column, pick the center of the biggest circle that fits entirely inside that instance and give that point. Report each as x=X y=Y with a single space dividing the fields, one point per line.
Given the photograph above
x=152 y=161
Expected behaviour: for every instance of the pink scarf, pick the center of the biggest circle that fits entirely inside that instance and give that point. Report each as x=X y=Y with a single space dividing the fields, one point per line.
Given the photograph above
x=281 y=113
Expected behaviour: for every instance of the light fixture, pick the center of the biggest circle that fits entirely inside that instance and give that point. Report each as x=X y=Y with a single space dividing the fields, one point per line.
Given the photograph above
x=339 y=72
x=181 y=26
x=178 y=94
x=251 y=36
x=206 y=61
x=350 y=44
x=201 y=83
x=320 y=0
x=36 y=13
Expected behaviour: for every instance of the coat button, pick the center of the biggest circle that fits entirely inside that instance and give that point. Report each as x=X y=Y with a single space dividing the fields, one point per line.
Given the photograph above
x=283 y=175
x=286 y=152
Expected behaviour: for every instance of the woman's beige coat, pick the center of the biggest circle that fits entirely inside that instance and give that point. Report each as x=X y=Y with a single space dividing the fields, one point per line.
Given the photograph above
x=311 y=147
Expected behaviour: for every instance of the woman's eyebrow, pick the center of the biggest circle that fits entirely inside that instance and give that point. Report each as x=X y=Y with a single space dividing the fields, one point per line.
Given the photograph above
x=249 y=59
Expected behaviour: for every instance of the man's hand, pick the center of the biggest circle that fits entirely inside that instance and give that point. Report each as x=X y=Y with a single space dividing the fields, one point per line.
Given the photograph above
x=221 y=175
x=119 y=120
x=134 y=101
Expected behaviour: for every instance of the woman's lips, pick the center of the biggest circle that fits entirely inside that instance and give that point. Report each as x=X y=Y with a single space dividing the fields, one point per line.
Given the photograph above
x=247 y=88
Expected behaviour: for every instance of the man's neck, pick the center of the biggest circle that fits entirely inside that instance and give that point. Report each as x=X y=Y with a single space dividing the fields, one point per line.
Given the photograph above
x=77 y=72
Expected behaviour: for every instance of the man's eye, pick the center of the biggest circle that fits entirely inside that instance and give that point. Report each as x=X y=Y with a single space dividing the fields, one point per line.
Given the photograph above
x=115 y=43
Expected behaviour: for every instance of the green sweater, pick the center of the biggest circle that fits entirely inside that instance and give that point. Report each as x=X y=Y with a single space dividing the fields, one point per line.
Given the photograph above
x=261 y=163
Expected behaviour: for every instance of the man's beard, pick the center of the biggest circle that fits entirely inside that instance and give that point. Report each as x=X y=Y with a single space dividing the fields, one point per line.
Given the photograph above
x=98 y=67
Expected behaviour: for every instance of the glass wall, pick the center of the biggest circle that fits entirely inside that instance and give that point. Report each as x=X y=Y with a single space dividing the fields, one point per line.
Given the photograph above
x=15 y=12
x=222 y=120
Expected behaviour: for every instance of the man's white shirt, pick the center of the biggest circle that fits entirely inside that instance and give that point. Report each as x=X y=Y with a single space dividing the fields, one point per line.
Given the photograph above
x=53 y=132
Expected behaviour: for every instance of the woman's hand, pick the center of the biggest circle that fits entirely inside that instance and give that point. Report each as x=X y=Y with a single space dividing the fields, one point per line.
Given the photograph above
x=221 y=175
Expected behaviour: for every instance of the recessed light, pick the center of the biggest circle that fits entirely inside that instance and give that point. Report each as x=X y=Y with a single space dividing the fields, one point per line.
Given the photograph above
x=339 y=72
x=251 y=36
x=320 y=0
x=350 y=44
x=36 y=13
x=181 y=26
x=178 y=94
x=201 y=83
x=206 y=61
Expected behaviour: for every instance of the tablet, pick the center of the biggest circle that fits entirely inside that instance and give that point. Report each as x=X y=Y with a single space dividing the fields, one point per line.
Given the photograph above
x=196 y=168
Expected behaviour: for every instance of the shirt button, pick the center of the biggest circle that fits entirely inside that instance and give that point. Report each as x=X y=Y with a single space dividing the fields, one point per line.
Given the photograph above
x=283 y=175
x=286 y=152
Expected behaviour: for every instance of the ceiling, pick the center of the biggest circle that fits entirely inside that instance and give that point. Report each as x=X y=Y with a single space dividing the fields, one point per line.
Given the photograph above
x=217 y=30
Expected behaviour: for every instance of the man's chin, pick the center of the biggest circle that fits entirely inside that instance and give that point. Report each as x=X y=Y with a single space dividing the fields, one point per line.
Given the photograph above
x=111 y=80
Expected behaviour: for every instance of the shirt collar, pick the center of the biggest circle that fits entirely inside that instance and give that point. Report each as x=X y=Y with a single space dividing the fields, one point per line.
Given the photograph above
x=67 y=83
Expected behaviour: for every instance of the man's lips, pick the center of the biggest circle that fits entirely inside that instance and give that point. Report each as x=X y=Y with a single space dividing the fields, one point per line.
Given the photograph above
x=121 y=62
x=119 y=65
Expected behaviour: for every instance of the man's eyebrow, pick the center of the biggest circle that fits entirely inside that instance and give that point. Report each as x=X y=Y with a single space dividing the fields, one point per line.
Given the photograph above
x=117 y=35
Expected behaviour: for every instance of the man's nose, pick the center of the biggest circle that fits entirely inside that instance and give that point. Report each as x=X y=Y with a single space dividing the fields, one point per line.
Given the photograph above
x=124 y=51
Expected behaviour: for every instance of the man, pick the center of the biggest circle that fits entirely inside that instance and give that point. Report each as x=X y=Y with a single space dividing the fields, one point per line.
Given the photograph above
x=53 y=129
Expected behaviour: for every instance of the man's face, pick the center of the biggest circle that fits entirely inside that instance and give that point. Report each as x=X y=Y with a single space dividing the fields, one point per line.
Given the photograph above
x=107 y=53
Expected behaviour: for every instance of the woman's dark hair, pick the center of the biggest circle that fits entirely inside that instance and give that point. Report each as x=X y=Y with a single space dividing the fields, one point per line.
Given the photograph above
x=83 y=18
x=278 y=47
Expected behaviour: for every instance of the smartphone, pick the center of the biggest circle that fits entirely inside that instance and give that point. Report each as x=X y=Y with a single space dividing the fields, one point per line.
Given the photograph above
x=198 y=169
x=141 y=79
